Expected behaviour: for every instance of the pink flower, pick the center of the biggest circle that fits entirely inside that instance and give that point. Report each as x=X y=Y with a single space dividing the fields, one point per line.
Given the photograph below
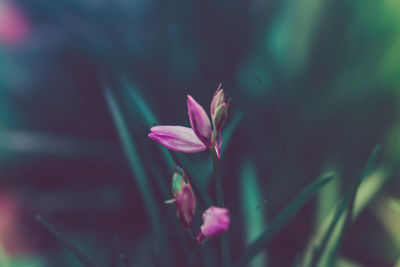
x=14 y=24
x=215 y=222
x=201 y=136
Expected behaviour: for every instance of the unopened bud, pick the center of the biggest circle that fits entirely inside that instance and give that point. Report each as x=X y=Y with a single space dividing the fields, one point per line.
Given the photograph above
x=217 y=100
x=177 y=180
x=220 y=116
x=186 y=205
x=215 y=222
x=184 y=197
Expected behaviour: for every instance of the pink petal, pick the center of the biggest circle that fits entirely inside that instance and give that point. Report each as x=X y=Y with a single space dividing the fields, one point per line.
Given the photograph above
x=215 y=221
x=178 y=138
x=199 y=120
x=186 y=205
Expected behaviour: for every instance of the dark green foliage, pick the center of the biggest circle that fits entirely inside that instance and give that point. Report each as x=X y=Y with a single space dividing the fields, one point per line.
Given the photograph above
x=79 y=254
x=284 y=216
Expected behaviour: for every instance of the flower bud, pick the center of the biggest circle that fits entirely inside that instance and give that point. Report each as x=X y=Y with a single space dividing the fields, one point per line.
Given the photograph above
x=217 y=100
x=219 y=117
x=184 y=197
x=215 y=222
x=186 y=205
x=177 y=180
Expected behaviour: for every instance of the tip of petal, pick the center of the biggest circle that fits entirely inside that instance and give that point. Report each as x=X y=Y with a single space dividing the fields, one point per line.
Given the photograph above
x=219 y=86
x=151 y=134
x=190 y=101
x=190 y=98
x=153 y=128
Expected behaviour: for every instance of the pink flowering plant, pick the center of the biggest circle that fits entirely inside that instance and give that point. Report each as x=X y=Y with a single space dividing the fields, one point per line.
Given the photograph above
x=207 y=134
x=198 y=138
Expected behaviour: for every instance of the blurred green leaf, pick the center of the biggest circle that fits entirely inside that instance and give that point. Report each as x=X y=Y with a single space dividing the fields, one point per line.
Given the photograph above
x=323 y=253
x=139 y=173
x=4 y=257
x=389 y=217
x=395 y=205
x=133 y=158
x=366 y=192
x=142 y=108
x=79 y=254
x=255 y=218
x=296 y=260
x=230 y=129
x=280 y=221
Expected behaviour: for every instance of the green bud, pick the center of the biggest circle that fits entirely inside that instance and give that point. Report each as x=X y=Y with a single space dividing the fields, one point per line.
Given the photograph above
x=219 y=117
x=178 y=179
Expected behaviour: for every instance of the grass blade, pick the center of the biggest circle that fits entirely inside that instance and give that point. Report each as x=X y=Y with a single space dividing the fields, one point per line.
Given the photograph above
x=368 y=189
x=296 y=260
x=142 y=108
x=349 y=215
x=134 y=161
x=230 y=129
x=255 y=218
x=79 y=254
x=286 y=214
x=342 y=219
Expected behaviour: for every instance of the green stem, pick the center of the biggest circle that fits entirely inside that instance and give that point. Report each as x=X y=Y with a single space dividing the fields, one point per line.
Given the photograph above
x=225 y=254
x=218 y=181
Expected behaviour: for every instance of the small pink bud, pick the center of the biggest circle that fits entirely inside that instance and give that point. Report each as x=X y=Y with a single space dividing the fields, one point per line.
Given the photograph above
x=219 y=109
x=217 y=100
x=215 y=222
x=219 y=117
x=184 y=197
x=186 y=205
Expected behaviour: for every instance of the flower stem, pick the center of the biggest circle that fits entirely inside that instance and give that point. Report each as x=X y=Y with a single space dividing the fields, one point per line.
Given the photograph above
x=218 y=182
x=225 y=254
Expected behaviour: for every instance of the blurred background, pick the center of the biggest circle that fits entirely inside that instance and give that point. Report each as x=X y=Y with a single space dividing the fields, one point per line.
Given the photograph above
x=315 y=85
